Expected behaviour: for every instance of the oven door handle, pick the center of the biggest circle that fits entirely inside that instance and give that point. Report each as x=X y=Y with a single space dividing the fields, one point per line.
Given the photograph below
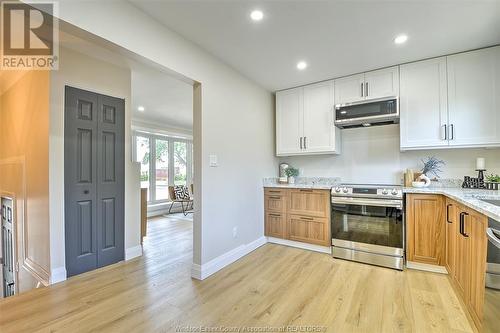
x=492 y=236
x=369 y=202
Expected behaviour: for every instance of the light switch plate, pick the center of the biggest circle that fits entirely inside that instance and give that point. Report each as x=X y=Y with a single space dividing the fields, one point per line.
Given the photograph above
x=213 y=160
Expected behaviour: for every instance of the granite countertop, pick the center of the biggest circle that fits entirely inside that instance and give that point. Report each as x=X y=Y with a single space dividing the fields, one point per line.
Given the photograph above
x=468 y=197
x=319 y=183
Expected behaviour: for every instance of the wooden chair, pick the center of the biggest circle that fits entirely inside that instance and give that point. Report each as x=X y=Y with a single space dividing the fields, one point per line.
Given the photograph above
x=188 y=208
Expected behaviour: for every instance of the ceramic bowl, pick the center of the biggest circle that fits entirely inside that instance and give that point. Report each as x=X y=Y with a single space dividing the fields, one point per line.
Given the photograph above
x=417 y=184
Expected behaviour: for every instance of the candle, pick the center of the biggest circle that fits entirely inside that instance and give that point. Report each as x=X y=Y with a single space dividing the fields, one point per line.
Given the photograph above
x=480 y=164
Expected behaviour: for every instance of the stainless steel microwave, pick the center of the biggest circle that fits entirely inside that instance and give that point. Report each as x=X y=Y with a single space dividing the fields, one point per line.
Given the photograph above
x=382 y=111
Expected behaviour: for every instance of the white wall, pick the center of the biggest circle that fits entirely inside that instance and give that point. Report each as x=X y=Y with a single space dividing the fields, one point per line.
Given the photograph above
x=372 y=155
x=80 y=71
x=236 y=123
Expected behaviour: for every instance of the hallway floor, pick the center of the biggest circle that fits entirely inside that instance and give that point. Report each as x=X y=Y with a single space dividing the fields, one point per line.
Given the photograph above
x=272 y=286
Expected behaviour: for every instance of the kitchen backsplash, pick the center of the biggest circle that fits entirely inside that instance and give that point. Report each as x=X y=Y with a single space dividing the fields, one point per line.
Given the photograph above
x=372 y=155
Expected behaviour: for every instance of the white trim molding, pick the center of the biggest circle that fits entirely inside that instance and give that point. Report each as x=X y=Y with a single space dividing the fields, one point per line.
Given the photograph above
x=426 y=267
x=201 y=272
x=133 y=252
x=58 y=275
x=300 y=245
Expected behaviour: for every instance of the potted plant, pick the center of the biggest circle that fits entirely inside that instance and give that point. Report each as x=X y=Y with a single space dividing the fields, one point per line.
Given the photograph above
x=291 y=173
x=493 y=178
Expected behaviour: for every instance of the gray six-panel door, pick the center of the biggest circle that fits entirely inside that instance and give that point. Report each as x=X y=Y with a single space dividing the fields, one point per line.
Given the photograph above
x=94 y=180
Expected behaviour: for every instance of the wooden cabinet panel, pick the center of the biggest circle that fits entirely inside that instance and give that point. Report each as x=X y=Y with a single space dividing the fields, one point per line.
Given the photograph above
x=275 y=203
x=309 y=229
x=462 y=258
x=301 y=215
x=426 y=229
x=309 y=202
x=275 y=225
x=451 y=232
x=477 y=224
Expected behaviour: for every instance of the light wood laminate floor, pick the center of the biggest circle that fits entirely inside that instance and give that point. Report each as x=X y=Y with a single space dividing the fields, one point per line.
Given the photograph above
x=273 y=286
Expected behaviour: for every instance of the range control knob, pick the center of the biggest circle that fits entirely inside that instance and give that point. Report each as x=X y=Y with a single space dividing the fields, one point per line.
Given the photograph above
x=385 y=191
x=337 y=189
x=394 y=191
x=345 y=190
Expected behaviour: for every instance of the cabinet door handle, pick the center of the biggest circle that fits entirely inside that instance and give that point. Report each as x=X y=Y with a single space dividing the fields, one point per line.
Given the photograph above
x=305 y=190
x=366 y=89
x=361 y=89
x=448 y=213
x=452 y=129
x=300 y=142
x=305 y=142
x=306 y=218
x=275 y=215
x=445 y=132
x=463 y=225
x=275 y=197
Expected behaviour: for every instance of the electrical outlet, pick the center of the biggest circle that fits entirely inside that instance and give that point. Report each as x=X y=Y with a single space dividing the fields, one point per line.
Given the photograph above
x=235 y=232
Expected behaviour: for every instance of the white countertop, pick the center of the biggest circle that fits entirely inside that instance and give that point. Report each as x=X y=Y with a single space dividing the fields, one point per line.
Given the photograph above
x=468 y=197
x=318 y=183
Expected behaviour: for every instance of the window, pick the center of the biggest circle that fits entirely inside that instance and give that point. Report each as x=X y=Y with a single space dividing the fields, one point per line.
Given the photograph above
x=169 y=159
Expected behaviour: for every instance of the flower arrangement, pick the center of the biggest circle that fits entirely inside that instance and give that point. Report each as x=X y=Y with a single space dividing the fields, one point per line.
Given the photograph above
x=432 y=165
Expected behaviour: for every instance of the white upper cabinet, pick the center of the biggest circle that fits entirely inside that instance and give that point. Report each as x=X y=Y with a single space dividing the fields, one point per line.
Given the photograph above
x=370 y=85
x=305 y=121
x=349 y=89
x=289 y=120
x=319 y=128
x=474 y=98
x=423 y=104
x=382 y=83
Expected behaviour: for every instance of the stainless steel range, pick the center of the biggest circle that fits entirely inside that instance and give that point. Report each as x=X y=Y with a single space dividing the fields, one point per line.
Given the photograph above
x=368 y=224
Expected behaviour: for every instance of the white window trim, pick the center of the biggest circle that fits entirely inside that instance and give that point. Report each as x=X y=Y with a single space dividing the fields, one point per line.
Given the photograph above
x=152 y=160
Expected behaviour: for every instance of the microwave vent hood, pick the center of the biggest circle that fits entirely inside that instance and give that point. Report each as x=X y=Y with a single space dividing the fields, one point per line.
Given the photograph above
x=374 y=112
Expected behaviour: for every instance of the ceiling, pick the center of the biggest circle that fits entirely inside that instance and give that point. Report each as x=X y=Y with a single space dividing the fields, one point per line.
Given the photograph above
x=336 y=38
x=167 y=99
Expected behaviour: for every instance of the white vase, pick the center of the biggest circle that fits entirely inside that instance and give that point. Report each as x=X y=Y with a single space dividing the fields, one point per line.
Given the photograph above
x=291 y=180
x=426 y=180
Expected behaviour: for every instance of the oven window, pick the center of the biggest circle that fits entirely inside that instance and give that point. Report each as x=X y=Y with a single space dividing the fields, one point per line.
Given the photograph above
x=368 y=224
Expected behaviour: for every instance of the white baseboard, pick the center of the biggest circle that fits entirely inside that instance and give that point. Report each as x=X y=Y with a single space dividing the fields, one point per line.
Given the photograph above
x=300 y=245
x=58 y=275
x=426 y=267
x=201 y=272
x=133 y=252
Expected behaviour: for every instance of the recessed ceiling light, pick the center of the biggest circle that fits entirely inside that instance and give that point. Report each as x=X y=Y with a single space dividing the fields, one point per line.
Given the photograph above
x=301 y=65
x=400 y=39
x=141 y=108
x=257 y=15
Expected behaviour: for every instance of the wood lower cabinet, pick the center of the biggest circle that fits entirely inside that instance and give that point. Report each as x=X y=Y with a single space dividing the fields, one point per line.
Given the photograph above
x=451 y=231
x=301 y=215
x=275 y=225
x=308 y=229
x=425 y=229
x=475 y=226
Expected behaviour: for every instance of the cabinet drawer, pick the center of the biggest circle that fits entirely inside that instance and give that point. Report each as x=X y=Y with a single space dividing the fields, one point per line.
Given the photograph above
x=307 y=202
x=275 y=203
x=275 y=191
x=309 y=229
x=275 y=225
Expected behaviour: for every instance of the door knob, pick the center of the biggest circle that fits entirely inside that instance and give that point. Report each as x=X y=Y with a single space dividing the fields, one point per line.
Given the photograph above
x=86 y=192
